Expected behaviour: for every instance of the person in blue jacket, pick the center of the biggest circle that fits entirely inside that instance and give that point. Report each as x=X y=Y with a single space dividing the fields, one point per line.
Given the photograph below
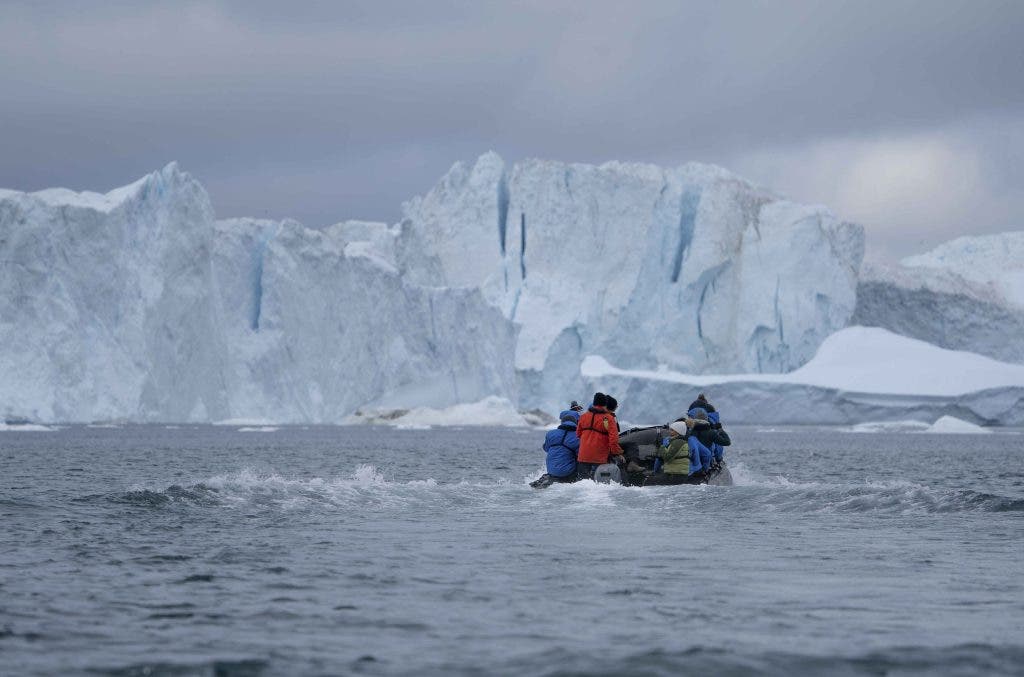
x=717 y=450
x=708 y=437
x=561 y=446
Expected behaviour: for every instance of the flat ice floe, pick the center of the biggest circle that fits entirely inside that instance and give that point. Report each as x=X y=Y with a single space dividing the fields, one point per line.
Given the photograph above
x=953 y=425
x=945 y=425
x=864 y=360
x=245 y=422
x=860 y=375
x=889 y=427
x=25 y=427
x=490 y=411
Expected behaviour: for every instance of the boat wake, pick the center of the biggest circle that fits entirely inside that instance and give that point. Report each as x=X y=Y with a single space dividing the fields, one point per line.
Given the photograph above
x=369 y=488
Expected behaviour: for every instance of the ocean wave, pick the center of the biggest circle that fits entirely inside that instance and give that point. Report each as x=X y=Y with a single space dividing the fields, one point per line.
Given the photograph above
x=198 y=494
x=776 y=492
x=220 y=668
x=966 y=659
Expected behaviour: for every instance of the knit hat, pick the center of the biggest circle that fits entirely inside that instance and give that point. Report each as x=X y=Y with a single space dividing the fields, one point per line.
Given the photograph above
x=569 y=415
x=679 y=427
x=600 y=399
x=613 y=403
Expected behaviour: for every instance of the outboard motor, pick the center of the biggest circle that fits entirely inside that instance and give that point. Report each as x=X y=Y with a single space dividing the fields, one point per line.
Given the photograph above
x=608 y=473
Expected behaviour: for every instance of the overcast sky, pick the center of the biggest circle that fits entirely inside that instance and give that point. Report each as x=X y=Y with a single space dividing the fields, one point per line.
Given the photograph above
x=907 y=117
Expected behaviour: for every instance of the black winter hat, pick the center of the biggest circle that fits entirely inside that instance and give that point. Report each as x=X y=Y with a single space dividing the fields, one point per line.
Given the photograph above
x=612 y=403
x=600 y=400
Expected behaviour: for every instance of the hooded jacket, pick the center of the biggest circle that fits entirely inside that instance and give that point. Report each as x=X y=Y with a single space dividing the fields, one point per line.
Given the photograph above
x=709 y=435
x=561 y=445
x=700 y=404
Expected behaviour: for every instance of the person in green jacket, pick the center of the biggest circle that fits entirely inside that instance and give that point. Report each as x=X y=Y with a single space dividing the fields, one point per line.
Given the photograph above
x=676 y=457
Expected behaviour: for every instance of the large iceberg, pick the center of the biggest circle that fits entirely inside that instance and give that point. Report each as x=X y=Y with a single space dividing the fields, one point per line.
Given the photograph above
x=689 y=268
x=138 y=305
x=499 y=282
x=967 y=294
x=105 y=304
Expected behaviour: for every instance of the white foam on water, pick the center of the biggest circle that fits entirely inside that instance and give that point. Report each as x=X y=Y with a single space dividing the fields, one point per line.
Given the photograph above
x=368 y=474
x=368 y=489
x=744 y=477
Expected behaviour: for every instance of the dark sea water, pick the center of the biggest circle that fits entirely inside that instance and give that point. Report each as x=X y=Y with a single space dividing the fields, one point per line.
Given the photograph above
x=145 y=550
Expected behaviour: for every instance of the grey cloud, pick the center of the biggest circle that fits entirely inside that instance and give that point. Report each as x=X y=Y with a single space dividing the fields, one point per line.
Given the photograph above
x=344 y=109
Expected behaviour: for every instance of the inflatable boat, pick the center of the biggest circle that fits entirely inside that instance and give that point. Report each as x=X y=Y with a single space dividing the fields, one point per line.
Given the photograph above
x=638 y=447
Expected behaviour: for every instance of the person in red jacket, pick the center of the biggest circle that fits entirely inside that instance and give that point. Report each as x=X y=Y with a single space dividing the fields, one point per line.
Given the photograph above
x=599 y=438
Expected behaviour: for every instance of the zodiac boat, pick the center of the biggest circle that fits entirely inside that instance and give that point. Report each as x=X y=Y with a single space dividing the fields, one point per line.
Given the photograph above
x=638 y=446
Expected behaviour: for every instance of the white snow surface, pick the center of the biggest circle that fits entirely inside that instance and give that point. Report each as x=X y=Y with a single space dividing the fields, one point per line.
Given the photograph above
x=860 y=359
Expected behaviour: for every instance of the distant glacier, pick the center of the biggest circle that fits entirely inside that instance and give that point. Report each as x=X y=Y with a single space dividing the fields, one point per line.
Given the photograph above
x=500 y=282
